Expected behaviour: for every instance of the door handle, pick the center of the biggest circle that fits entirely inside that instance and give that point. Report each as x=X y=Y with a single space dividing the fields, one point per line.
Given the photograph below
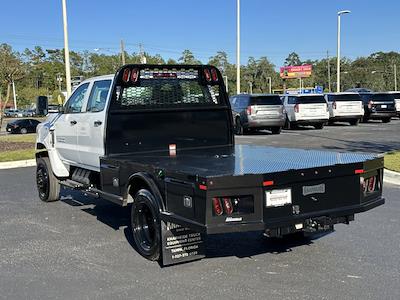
x=97 y=123
x=73 y=122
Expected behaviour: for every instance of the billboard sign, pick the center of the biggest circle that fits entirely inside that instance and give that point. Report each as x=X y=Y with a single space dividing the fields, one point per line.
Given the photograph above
x=296 y=71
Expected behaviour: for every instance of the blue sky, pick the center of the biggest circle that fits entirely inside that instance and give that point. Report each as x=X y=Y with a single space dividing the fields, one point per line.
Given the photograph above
x=270 y=28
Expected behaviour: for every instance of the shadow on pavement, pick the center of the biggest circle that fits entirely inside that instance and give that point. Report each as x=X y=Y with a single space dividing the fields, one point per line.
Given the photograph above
x=241 y=245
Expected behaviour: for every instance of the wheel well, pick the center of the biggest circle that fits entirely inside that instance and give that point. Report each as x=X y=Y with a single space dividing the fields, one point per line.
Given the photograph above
x=42 y=151
x=143 y=181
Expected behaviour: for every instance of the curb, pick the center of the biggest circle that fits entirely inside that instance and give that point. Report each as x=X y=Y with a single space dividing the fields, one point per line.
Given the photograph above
x=391 y=177
x=17 y=164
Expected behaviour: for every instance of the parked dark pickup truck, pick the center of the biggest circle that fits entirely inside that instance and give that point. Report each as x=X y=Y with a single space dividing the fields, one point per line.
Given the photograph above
x=160 y=139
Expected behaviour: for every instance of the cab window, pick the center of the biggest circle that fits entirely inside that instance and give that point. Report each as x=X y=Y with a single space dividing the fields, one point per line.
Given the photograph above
x=98 y=95
x=75 y=102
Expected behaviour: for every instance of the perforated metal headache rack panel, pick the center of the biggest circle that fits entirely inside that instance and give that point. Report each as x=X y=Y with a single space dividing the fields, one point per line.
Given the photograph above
x=169 y=88
x=248 y=159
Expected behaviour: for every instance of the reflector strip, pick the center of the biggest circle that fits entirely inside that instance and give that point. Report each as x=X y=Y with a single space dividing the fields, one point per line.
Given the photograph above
x=359 y=171
x=203 y=187
x=268 y=183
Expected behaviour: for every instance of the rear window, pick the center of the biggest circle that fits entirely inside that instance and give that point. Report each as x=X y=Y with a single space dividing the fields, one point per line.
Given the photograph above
x=396 y=96
x=348 y=97
x=174 y=89
x=382 y=97
x=310 y=99
x=265 y=100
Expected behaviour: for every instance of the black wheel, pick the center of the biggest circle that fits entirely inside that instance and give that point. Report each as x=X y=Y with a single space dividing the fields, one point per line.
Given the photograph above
x=146 y=226
x=24 y=130
x=319 y=126
x=239 y=130
x=276 y=130
x=386 y=120
x=354 y=122
x=47 y=183
x=365 y=120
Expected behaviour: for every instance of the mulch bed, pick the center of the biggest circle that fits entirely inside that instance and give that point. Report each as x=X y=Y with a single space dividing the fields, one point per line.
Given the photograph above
x=11 y=146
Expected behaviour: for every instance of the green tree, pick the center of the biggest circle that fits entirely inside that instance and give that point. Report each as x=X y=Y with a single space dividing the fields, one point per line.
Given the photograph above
x=188 y=58
x=293 y=59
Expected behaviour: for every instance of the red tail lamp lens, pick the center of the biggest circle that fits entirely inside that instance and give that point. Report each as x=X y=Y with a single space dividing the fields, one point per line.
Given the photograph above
x=228 y=206
x=217 y=206
x=214 y=74
x=135 y=75
x=371 y=184
x=207 y=75
x=126 y=75
x=296 y=108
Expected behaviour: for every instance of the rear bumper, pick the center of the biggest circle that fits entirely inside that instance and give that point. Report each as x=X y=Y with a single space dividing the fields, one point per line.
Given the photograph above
x=382 y=114
x=337 y=215
x=265 y=123
x=309 y=121
x=345 y=117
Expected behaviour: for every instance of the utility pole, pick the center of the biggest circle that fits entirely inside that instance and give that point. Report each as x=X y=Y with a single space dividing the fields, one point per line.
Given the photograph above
x=238 y=47
x=395 y=76
x=66 y=49
x=226 y=83
x=329 y=71
x=251 y=88
x=122 y=52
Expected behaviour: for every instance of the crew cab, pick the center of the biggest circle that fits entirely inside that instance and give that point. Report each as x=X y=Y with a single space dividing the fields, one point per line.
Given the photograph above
x=306 y=109
x=345 y=107
x=378 y=106
x=159 y=139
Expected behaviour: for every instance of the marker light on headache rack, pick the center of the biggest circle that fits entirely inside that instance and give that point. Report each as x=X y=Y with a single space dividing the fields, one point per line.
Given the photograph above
x=207 y=75
x=214 y=74
x=125 y=75
x=135 y=75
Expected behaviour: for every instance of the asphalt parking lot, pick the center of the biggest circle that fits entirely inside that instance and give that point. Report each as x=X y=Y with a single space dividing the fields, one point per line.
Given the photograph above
x=373 y=136
x=79 y=247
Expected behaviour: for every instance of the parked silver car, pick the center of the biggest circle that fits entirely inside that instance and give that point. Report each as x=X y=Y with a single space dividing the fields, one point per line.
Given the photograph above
x=345 y=107
x=306 y=109
x=257 y=111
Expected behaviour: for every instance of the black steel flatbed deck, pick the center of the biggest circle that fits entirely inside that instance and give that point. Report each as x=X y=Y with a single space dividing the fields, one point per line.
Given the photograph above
x=242 y=160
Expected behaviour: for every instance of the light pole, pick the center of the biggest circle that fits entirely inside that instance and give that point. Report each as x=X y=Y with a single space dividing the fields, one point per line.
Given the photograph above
x=238 y=47
x=66 y=49
x=226 y=83
x=339 y=14
x=270 y=84
x=395 y=77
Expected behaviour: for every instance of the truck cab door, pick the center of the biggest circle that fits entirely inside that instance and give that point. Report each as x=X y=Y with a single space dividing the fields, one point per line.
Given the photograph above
x=66 y=126
x=92 y=125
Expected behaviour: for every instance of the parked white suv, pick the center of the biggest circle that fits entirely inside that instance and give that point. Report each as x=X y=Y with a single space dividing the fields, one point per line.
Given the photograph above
x=306 y=109
x=345 y=107
x=396 y=96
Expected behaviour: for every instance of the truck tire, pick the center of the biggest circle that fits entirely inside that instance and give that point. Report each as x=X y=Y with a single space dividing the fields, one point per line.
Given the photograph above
x=354 y=122
x=239 y=130
x=146 y=225
x=319 y=126
x=386 y=120
x=47 y=183
x=276 y=130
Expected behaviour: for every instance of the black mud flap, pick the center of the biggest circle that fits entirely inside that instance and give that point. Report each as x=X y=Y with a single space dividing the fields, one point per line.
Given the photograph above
x=181 y=244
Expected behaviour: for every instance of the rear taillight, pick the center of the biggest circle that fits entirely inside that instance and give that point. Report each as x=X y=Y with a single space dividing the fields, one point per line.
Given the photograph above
x=370 y=102
x=235 y=205
x=296 y=108
x=228 y=206
x=250 y=110
x=334 y=105
x=370 y=184
x=217 y=206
